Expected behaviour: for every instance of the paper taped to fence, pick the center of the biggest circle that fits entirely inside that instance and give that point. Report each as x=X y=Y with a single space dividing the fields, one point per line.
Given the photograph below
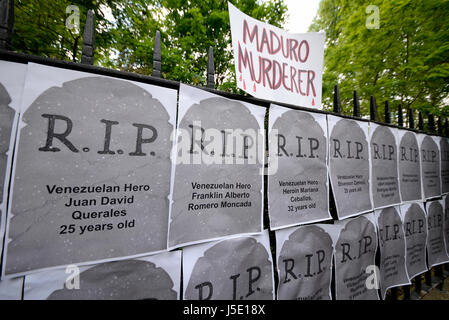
x=409 y=166
x=275 y=65
x=430 y=166
x=240 y=268
x=436 y=249
x=154 y=277
x=298 y=189
x=393 y=270
x=12 y=80
x=384 y=166
x=349 y=166
x=444 y=156
x=304 y=257
x=218 y=178
x=11 y=289
x=446 y=223
x=92 y=170
x=355 y=254
x=415 y=228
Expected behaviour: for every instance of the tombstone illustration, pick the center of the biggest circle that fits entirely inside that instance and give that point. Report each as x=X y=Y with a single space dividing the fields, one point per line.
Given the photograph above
x=349 y=168
x=444 y=151
x=415 y=228
x=409 y=167
x=233 y=269
x=304 y=265
x=298 y=191
x=92 y=167
x=384 y=160
x=392 y=250
x=436 y=249
x=355 y=251
x=121 y=280
x=446 y=223
x=430 y=164
x=235 y=204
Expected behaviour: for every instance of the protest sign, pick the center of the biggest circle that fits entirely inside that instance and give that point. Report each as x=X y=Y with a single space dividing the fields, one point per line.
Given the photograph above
x=436 y=249
x=92 y=170
x=444 y=156
x=275 y=65
x=298 y=189
x=409 y=166
x=240 y=268
x=430 y=166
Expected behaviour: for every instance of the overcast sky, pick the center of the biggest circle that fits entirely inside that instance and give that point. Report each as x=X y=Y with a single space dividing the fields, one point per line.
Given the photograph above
x=301 y=14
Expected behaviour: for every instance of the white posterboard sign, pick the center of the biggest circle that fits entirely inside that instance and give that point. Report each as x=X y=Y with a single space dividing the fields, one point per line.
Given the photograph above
x=275 y=65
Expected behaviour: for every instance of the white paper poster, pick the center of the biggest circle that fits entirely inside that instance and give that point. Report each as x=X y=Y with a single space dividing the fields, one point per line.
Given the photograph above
x=304 y=261
x=444 y=156
x=446 y=223
x=409 y=166
x=11 y=289
x=298 y=190
x=436 y=249
x=240 y=268
x=393 y=270
x=275 y=65
x=355 y=255
x=12 y=80
x=349 y=166
x=156 y=277
x=415 y=229
x=218 y=177
x=92 y=170
x=384 y=166
x=430 y=166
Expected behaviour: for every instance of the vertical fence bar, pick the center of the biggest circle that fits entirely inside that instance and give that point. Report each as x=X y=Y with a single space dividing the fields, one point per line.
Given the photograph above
x=356 y=103
x=373 y=109
x=211 y=69
x=400 y=116
x=337 y=104
x=446 y=128
x=431 y=123
x=6 y=23
x=411 y=119
x=440 y=127
x=157 y=56
x=420 y=121
x=387 y=112
x=88 y=39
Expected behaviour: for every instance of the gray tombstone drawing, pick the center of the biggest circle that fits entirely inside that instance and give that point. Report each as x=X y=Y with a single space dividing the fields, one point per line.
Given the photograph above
x=409 y=167
x=121 y=280
x=298 y=191
x=349 y=167
x=304 y=264
x=446 y=223
x=354 y=252
x=415 y=228
x=444 y=151
x=215 y=200
x=430 y=164
x=234 y=269
x=392 y=250
x=92 y=176
x=384 y=161
x=436 y=250
x=6 y=123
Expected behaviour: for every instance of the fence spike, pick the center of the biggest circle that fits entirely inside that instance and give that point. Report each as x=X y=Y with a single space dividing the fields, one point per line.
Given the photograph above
x=420 y=121
x=446 y=128
x=337 y=103
x=373 y=109
x=211 y=69
x=431 y=123
x=400 y=116
x=411 y=119
x=157 y=56
x=440 y=126
x=356 y=103
x=89 y=39
x=6 y=23
x=387 y=112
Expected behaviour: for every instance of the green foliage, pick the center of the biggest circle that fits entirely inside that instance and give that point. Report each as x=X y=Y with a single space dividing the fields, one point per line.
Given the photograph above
x=405 y=61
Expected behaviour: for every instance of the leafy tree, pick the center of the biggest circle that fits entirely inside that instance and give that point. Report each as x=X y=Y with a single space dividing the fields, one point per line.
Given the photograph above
x=405 y=60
